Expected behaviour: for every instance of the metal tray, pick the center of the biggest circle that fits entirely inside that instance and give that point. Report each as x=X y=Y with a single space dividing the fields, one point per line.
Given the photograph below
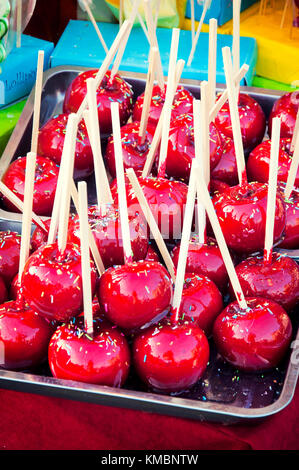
x=224 y=394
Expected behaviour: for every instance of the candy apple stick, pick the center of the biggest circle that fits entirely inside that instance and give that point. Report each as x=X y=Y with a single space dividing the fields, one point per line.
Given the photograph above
x=295 y=133
x=157 y=11
x=223 y=98
x=293 y=170
x=92 y=243
x=107 y=61
x=141 y=21
x=121 y=12
x=234 y=113
x=204 y=197
x=153 y=56
x=205 y=134
x=158 y=132
x=91 y=118
x=272 y=185
x=94 y=23
x=27 y=211
x=236 y=38
x=151 y=222
x=37 y=100
x=194 y=43
x=19 y=23
x=188 y=218
x=212 y=61
x=10 y=195
x=153 y=41
x=192 y=21
x=69 y=151
x=170 y=91
x=201 y=213
x=85 y=258
x=121 y=186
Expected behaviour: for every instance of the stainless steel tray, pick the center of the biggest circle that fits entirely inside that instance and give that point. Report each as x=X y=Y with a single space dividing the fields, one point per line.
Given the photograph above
x=223 y=394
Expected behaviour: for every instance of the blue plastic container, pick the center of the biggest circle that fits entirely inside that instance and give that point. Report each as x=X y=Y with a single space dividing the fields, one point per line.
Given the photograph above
x=79 y=45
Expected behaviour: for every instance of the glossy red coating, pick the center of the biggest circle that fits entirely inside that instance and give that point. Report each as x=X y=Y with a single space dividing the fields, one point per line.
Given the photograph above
x=135 y=294
x=24 y=337
x=166 y=198
x=259 y=161
x=52 y=283
x=171 y=357
x=217 y=186
x=3 y=291
x=51 y=141
x=107 y=233
x=39 y=236
x=286 y=108
x=256 y=339
x=152 y=255
x=241 y=211
x=277 y=281
x=10 y=243
x=204 y=259
x=252 y=121
x=201 y=302
x=117 y=90
x=226 y=169
x=102 y=359
x=46 y=175
x=134 y=152
x=291 y=232
x=182 y=104
x=181 y=149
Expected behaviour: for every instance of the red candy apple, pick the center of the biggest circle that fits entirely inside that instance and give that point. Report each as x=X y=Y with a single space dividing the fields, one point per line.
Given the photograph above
x=277 y=280
x=3 y=291
x=51 y=141
x=51 y=282
x=286 y=109
x=116 y=90
x=103 y=359
x=181 y=147
x=259 y=162
x=24 y=337
x=204 y=259
x=241 y=211
x=136 y=294
x=252 y=121
x=291 y=232
x=226 y=169
x=44 y=185
x=133 y=150
x=10 y=243
x=201 y=302
x=182 y=104
x=152 y=255
x=107 y=233
x=171 y=357
x=255 y=339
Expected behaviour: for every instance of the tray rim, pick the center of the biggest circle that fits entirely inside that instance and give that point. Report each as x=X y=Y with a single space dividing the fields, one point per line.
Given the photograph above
x=104 y=395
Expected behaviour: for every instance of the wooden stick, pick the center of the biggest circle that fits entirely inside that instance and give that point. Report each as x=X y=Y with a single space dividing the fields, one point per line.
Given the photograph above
x=153 y=41
x=91 y=118
x=92 y=243
x=27 y=212
x=205 y=130
x=85 y=258
x=121 y=12
x=272 y=185
x=69 y=152
x=10 y=195
x=236 y=39
x=192 y=22
x=153 y=56
x=19 y=23
x=94 y=23
x=201 y=213
x=37 y=101
x=212 y=61
x=151 y=222
x=121 y=186
x=293 y=170
x=295 y=133
x=158 y=132
x=204 y=196
x=284 y=14
x=106 y=62
x=157 y=8
x=224 y=96
x=234 y=113
x=194 y=44
x=184 y=246
x=170 y=91
x=140 y=20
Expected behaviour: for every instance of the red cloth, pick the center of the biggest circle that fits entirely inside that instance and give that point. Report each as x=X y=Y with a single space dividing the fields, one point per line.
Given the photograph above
x=35 y=422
